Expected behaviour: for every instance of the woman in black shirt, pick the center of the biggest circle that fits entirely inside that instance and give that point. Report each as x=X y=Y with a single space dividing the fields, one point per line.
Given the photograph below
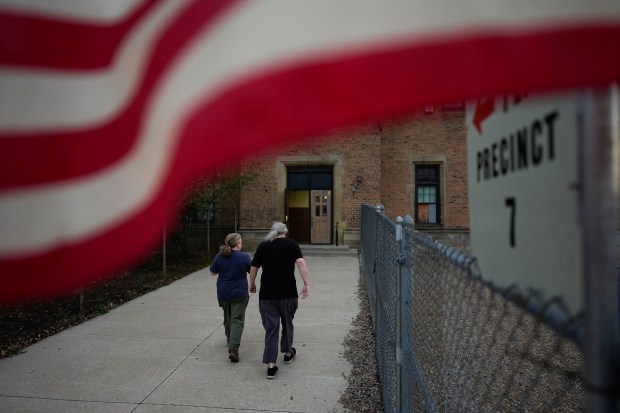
x=278 y=256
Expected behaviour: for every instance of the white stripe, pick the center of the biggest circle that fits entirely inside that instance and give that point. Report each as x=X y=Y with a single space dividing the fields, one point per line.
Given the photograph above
x=249 y=40
x=92 y=11
x=273 y=30
x=29 y=98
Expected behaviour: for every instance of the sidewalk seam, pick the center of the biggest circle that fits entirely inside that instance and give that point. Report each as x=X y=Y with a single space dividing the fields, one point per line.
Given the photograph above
x=175 y=369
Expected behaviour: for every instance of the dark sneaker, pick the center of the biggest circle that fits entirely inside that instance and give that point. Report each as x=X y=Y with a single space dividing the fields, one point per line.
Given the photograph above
x=233 y=355
x=271 y=372
x=288 y=359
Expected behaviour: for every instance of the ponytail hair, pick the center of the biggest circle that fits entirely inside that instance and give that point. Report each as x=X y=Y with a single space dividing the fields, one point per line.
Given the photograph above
x=278 y=228
x=230 y=242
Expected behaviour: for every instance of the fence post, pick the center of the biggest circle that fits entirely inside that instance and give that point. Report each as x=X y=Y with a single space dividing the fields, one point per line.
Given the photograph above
x=406 y=303
x=409 y=365
x=400 y=259
x=163 y=252
x=380 y=210
x=602 y=361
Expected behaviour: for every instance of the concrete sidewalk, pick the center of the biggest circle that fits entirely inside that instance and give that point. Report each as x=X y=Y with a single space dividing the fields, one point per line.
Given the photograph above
x=166 y=352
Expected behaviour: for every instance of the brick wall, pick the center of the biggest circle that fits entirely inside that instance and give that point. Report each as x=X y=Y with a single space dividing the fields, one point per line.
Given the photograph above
x=426 y=137
x=257 y=205
x=382 y=154
x=358 y=147
x=361 y=147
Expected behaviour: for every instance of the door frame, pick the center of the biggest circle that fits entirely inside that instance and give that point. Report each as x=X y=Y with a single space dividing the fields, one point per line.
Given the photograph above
x=309 y=187
x=328 y=160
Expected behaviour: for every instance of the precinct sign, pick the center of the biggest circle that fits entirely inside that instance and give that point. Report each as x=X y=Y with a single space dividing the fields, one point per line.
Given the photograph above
x=523 y=193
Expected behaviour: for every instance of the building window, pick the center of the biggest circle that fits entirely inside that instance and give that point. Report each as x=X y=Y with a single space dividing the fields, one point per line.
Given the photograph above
x=427 y=190
x=309 y=178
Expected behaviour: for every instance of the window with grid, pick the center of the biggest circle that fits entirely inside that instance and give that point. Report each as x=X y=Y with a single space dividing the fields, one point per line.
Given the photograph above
x=427 y=206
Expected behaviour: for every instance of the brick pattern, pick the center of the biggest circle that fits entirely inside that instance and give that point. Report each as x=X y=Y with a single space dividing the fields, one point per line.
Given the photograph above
x=381 y=153
x=360 y=147
x=437 y=134
x=257 y=200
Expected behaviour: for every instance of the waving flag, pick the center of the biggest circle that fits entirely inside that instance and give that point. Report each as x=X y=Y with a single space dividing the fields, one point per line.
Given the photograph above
x=108 y=108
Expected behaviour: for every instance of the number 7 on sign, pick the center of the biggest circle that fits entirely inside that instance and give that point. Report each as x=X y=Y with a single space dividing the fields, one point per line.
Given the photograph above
x=512 y=204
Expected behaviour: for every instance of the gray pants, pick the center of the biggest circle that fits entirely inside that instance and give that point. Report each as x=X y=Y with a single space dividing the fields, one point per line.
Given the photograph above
x=272 y=312
x=234 y=320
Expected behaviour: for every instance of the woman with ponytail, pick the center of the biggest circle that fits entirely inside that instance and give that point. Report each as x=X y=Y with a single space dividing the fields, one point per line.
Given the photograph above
x=232 y=267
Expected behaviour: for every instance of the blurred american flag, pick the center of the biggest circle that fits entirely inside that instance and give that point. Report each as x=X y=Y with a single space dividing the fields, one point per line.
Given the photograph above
x=108 y=108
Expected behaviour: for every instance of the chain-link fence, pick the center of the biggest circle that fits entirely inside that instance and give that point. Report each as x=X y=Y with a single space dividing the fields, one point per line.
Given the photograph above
x=448 y=341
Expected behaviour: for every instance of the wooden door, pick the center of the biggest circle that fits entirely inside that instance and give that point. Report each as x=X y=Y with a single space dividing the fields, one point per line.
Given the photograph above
x=321 y=213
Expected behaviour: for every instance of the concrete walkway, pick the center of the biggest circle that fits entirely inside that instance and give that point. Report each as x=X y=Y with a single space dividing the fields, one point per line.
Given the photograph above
x=166 y=352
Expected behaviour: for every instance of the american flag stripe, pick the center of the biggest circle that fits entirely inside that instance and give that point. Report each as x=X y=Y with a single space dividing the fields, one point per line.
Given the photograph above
x=86 y=11
x=88 y=136
x=44 y=43
x=252 y=75
x=124 y=100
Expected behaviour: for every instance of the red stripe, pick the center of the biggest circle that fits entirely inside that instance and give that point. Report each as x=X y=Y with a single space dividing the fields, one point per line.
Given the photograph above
x=27 y=40
x=60 y=156
x=375 y=84
x=311 y=99
x=314 y=98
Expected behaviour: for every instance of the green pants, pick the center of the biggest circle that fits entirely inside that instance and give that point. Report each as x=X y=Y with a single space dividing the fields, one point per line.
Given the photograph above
x=234 y=319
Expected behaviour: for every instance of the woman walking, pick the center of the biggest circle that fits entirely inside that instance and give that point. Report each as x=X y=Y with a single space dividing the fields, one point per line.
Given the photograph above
x=232 y=266
x=278 y=255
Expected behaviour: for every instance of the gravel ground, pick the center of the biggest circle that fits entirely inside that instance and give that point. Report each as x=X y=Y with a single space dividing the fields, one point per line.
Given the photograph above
x=363 y=393
x=476 y=350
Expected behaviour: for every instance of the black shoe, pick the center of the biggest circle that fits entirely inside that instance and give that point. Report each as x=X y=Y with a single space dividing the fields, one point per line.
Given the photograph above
x=271 y=372
x=233 y=355
x=288 y=359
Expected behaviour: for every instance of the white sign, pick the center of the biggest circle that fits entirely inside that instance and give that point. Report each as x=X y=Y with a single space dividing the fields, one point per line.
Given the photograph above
x=524 y=193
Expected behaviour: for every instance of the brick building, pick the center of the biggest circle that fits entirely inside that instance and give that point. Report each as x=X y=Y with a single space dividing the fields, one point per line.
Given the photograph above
x=413 y=165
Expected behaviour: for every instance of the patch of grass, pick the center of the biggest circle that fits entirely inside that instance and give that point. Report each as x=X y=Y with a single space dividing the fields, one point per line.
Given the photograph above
x=100 y=309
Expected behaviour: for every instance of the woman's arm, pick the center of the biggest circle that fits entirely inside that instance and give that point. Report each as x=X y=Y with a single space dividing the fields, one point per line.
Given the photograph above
x=253 y=273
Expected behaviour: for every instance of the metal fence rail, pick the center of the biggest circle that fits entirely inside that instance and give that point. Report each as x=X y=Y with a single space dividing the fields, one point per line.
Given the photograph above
x=447 y=341
x=202 y=231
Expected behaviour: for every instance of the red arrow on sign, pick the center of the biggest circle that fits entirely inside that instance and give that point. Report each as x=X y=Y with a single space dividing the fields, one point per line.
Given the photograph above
x=484 y=108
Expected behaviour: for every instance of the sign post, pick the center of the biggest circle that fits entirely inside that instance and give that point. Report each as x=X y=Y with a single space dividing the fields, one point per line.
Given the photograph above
x=601 y=344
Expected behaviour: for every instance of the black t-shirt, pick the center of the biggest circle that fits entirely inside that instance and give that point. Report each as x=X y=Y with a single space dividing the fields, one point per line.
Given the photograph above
x=277 y=258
